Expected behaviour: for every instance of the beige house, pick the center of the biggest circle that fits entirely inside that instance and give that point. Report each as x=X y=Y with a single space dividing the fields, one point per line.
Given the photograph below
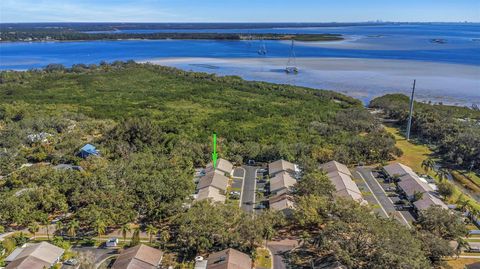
x=397 y=170
x=139 y=257
x=281 y=166
x=283 y=203
x=341 y=178
x=229 y=259
x=211 y=193
x=34 y=256
x=215 y=180
x=410 y=184
x=223 y=167
x=213 y=185
x=427 y=201
x=282 y=183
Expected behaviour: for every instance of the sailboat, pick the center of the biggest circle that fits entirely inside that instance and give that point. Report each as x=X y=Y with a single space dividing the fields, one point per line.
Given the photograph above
x=263 y=48
x=291 y=67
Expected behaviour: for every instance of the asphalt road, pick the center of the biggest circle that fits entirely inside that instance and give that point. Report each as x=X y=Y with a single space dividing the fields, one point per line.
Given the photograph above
x=248 y=191
x=278 y=249
x=381 y=196
x=371 y=199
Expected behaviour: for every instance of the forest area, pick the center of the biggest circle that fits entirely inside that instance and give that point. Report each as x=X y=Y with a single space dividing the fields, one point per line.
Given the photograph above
x=152 y=126
x=453 y=132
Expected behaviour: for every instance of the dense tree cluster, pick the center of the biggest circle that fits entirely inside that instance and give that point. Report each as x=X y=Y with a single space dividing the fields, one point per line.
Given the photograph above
x=152 y=126
x=72 y=36
x=349 y=233
x=454 y=131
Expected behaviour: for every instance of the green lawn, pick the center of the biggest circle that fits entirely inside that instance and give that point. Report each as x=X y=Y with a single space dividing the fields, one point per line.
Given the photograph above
x=264 y=260
x=414 y=155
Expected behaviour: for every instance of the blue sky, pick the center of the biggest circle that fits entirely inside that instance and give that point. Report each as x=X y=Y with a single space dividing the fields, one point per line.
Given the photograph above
x=238 y=10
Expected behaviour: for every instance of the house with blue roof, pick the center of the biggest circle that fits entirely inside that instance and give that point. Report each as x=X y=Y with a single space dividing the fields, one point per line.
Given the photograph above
x=88 y=150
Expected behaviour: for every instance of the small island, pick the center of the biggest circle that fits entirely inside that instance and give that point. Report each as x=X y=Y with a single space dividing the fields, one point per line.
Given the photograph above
x=32 y=36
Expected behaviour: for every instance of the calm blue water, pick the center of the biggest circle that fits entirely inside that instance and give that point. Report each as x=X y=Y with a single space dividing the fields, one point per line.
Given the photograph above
x=407 y=42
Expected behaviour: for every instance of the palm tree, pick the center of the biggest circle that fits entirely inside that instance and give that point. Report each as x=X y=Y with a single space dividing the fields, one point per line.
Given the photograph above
x=33 y=229
x=268 y=233
x=72 y=228
x=46 y=223
x=462 y=244
x=151 y=230
x=100 y=227
x=135 y=237
x=59 y=227
x=428 y=164
x=442 y=174
x=464 y=204
x=125 y=229
x=164 y=237
x=417 y=196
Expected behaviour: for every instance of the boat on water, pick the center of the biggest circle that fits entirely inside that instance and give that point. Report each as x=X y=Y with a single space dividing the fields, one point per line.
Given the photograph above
x=263 y=48
x=291 y=67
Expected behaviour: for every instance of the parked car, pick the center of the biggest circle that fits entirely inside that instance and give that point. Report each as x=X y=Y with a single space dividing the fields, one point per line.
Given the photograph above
x=392 y=194
x=260 y=206
x=390 y=189
x=72 y=262
x=112 y=242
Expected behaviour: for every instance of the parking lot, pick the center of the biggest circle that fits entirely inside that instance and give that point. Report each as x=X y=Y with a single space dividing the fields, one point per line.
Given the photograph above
x=248 y=190
x=386 y=197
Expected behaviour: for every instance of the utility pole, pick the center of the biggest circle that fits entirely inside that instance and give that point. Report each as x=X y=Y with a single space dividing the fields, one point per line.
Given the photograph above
x=214 y=152
x=409 y=126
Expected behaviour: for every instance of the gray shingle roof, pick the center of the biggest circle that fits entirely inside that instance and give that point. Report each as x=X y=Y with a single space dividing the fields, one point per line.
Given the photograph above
x=279 y=166
x=397 y=169
x=213 y=179
x=211 y=193
x=139 y=257
x=36 y=256
x=229 y=259
x=333 y=166
x=282 y=181
x=341 y=178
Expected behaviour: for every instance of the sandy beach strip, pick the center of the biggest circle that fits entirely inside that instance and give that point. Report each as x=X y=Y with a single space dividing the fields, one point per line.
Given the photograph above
x=361 y=78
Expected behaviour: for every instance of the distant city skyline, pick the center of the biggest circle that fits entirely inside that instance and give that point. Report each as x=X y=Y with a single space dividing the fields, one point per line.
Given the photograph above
x=239 y=11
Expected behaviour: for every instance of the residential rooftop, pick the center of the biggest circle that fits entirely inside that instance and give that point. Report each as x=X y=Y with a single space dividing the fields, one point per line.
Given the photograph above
x=229 y=259
x=210 y=193
x=341 y=178
x=35 y=256
x=282 y=182
x=139 y=257
x=213 y=179
x=398 y=170
x=280 y=166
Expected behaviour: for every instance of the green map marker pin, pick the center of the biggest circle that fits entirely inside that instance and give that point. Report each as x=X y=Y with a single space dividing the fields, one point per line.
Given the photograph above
x=214 y=153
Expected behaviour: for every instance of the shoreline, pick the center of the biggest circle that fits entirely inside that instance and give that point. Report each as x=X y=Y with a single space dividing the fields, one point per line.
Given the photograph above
x=320 y=38
x=364 y=79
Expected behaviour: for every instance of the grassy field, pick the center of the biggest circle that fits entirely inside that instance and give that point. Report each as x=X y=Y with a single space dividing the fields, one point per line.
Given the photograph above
x=263 y=260
x=461 y=263
x=413 y=156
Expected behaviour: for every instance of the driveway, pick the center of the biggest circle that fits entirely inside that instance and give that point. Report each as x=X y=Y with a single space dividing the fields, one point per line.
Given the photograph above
x=381 y=196
x=248 y=191
x=96 y=255
x=371 y=198
x=279 y=249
